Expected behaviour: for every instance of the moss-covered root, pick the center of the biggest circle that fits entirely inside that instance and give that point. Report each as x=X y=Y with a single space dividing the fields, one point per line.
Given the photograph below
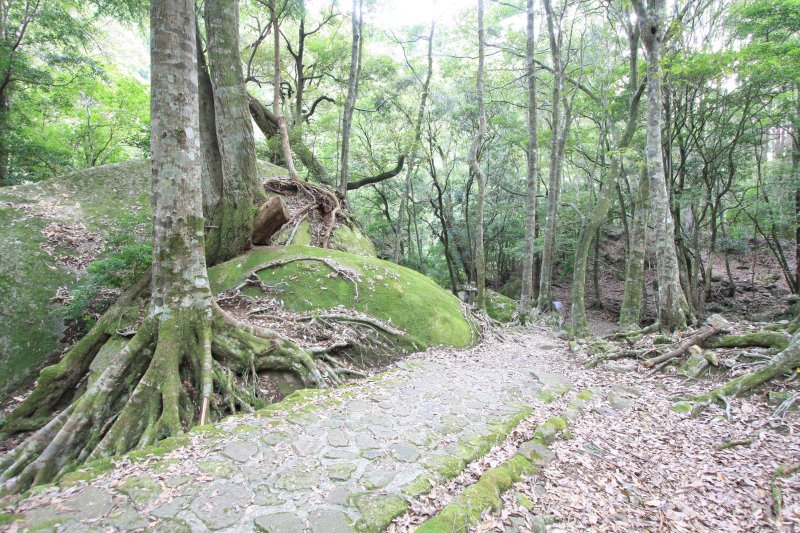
x=168 y=397
x=762 y=339
x=57 y=384
x=467 y=508
x=245 y=347
x=783 y=362
x=72 y=434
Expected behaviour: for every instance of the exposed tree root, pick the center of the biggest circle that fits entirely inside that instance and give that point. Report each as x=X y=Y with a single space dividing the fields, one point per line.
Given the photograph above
x=170 y=375
x=322 y=199
x=763 y=339
x=784 y=362
x=622 y=354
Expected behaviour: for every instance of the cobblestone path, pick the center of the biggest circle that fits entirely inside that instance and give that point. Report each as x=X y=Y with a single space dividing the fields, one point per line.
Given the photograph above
x=332 y=461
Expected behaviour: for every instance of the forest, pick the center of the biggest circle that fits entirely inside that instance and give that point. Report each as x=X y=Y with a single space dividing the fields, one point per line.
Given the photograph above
x=329 y=266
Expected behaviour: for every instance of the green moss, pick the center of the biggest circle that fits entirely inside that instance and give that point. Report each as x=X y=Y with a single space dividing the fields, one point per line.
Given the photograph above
x=524 y=501
x=402 y=297
x=448 y=466
x=7 y=518
x=585 y=395
x=419 y=486
x=546 y=396
x=354 y=242
x=682 y=407
x=764 y=339
x=377 y=513
x=31 y=327
x=500 y=307
x=467 y=507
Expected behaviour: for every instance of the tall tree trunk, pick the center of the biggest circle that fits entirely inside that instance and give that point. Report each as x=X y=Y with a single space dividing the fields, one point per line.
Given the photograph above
x=599 y=213
x=5 y=108
x=673 y=309
x=412 y=155
x=352 y=94
x=631 y=309
x=796 y=176
x=230 y=222
x=554 y=186
x=528 y=281
x=480 y=259
x=276 y=91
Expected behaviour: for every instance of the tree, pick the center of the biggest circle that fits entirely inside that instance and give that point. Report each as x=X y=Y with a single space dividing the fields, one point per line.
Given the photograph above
x=673 y=309
x=277 y=98
x=580 y=324
x=526 y=297
x=178 y=365
x=412 y=151
x=352 y=93
x=477 y=171
x=232 y=189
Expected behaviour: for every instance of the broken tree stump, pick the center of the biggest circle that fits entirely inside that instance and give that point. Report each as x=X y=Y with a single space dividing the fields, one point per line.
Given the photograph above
x=270 y=218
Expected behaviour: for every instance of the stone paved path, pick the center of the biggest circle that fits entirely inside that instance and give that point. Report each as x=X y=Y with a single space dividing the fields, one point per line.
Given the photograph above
x=324 y=461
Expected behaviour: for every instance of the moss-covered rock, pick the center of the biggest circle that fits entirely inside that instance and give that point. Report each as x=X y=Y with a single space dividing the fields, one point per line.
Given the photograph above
x=406 y=299
x=500 y=307
x=90 y=202
x=30 y=325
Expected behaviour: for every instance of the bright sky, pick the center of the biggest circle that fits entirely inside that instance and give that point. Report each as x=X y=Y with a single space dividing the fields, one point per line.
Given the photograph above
x=397 y=13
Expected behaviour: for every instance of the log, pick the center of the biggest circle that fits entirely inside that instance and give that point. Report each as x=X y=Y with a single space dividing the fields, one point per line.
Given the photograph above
x=271 y=217
x=716 y=325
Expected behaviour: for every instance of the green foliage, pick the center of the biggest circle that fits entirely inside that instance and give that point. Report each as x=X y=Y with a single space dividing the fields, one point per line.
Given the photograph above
x=126 y=258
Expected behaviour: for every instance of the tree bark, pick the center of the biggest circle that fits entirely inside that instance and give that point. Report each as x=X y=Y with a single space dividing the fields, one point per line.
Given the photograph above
x=5 y=108
x=554 y=186
x=229 y=223
x=480 y=177
x=526 y=297
x=412 y=153
x=599 y=212
x=673 y=308
x=352 y=94
x=276 y=92
x=632 y=298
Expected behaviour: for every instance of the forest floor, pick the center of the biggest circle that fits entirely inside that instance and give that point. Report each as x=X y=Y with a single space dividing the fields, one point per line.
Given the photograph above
x=408 y=444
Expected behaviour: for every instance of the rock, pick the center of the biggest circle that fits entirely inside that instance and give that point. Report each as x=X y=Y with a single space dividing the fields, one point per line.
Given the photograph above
x=279 y=523
x=535 y=452
x=778 y=397
x=329 y=521
x=298 y=478
x=617 y=401
x=405 y=452
x=170 y=508
x=341 y=471
x=141 y=490
x=604 y=410
x=89 y=504
x=305 y=446
x=377 y=478
x=338 y=438
x=126 y=518
x=222 y=504
x=240 y=450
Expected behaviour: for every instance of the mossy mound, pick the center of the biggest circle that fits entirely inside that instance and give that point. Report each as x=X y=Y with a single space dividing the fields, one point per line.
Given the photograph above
x=500 y=307
x=408 y=300
x=35 y=262
x=49 y=230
